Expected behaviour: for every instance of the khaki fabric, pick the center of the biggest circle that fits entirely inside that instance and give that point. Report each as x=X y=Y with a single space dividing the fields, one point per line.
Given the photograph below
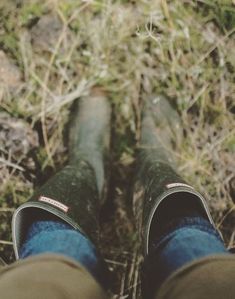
x=48 y=277
x=208 y=278
x=56 y=277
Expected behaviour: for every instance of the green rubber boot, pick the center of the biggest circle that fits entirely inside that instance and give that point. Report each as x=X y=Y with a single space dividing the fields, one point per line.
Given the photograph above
x=75 y=193
x=157 y=179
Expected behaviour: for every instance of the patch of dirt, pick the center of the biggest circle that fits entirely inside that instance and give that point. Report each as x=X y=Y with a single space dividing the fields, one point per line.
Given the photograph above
x=16 y=135
x=46 y=33
x=10 y=75
x=17 y=138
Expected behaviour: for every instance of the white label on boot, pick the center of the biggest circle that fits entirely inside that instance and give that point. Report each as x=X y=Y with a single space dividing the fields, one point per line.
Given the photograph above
x=178 y=185
x=54 y=203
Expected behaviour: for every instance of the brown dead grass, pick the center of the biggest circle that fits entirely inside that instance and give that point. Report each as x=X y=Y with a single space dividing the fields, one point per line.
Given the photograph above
x=58 y=50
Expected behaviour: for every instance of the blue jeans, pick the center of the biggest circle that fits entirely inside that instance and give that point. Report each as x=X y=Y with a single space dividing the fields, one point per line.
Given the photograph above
x=50 y=236
x=190 y=239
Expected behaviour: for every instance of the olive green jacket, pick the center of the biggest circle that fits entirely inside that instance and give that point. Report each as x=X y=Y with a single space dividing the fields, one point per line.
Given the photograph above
x=57 y=277
x=208 y=278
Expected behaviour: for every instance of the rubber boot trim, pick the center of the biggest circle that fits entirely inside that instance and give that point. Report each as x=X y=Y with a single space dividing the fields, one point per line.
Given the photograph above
x=17 y=222
x=163 y=196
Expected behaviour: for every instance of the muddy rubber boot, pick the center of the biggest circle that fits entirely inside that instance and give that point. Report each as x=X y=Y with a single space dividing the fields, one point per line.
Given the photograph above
x=157 y=179
x=75 y=193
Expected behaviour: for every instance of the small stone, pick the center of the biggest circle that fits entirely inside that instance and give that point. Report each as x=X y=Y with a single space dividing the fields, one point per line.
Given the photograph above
x=45 y=34
x=10 y=75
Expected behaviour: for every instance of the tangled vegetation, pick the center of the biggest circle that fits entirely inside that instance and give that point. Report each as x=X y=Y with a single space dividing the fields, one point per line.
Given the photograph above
x=55 y=51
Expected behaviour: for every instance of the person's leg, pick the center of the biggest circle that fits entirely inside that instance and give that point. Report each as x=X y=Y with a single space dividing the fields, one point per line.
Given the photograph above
x=48 y=276
x=173 y=219
x=180 y=235
x=62 y=217
x=47 y=234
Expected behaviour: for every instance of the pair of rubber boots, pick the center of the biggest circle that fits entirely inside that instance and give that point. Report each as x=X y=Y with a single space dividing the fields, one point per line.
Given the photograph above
x=75 y=193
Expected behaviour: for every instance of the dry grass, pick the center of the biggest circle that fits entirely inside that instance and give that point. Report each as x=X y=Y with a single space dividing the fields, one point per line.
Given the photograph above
x=56 y=51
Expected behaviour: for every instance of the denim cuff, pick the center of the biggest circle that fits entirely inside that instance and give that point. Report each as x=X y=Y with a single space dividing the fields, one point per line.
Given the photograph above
x=196 y=222
x=184 y=241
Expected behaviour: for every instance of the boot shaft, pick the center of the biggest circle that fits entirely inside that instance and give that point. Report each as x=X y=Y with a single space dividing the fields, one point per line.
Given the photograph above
x=74 y=194
x=157 y=177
